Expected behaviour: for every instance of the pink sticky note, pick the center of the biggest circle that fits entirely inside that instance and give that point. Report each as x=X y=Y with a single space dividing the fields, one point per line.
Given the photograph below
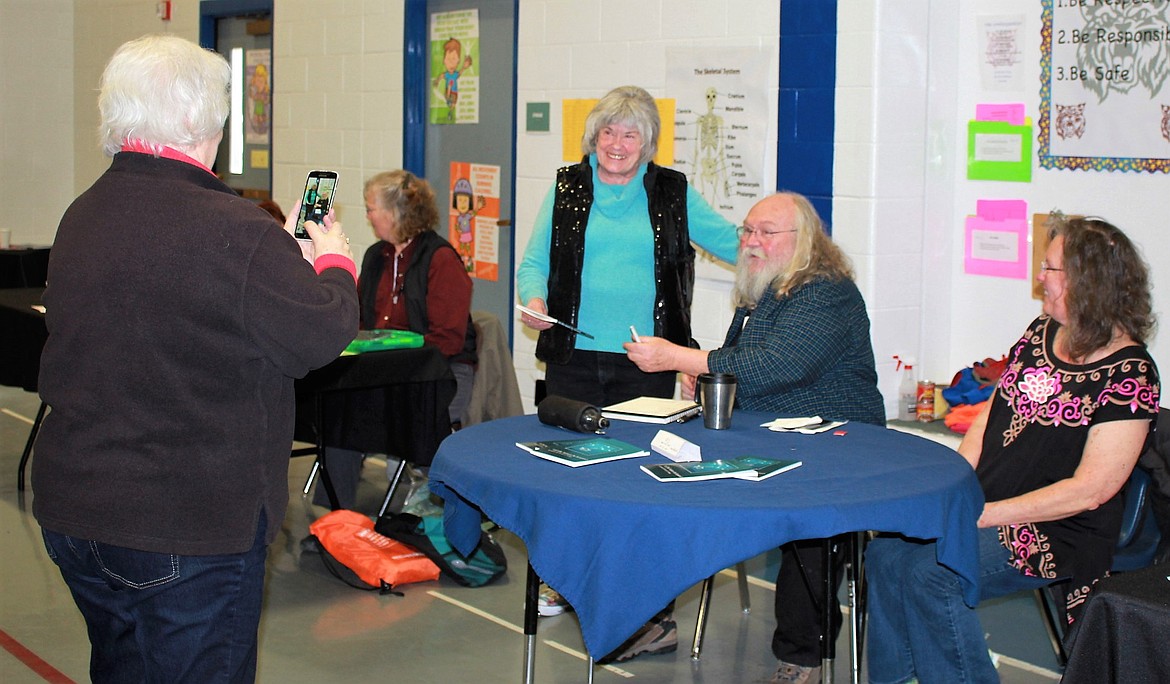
x=1012 y=113
x=1001 y=210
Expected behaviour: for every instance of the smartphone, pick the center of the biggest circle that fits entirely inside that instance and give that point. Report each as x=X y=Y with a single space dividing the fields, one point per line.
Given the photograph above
x=316 y=200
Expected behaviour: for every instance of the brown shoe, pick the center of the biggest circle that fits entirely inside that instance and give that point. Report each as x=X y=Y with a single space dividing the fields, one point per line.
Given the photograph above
x=656 y=637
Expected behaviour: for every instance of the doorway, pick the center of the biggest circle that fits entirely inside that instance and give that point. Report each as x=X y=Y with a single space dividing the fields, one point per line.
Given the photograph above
x=478 y=150
x=241 y=31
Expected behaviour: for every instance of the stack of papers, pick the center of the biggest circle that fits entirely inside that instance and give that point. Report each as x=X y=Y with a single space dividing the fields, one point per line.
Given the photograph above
x=580 y=452
x=805 y=426
x=752 y=468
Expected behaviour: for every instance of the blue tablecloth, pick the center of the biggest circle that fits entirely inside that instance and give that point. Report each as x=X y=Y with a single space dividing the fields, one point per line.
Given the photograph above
x=620 y=545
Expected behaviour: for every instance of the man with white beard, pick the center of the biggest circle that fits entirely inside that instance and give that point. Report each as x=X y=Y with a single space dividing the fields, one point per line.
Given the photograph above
x=798 y=345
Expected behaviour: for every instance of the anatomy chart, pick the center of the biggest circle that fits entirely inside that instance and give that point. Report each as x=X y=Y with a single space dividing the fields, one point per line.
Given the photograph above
x=721 y=123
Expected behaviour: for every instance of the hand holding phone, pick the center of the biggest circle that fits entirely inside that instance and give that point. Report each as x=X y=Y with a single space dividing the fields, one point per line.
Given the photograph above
x=316 y=201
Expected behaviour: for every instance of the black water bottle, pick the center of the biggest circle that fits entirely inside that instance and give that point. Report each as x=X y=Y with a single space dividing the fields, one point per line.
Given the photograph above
x=578 y=416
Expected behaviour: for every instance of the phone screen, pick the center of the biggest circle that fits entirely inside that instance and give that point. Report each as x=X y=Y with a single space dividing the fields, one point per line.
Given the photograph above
x=316 y=200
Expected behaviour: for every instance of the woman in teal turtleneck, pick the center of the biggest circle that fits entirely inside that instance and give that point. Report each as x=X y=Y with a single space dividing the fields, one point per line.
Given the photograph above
x=612 y=249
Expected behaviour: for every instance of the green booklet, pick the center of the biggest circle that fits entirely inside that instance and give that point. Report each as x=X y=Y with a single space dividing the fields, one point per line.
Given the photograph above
x=580 y=452
x=376 y=340
x=741 y=468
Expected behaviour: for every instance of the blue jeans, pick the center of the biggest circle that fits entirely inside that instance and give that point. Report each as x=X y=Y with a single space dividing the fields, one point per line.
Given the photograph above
x=919 y=625
x=157 y=617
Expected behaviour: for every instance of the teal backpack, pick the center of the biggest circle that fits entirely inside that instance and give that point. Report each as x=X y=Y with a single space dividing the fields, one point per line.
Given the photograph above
x=485 y=565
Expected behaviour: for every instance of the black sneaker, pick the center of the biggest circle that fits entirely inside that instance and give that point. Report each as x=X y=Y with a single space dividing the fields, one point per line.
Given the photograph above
x=658 y=636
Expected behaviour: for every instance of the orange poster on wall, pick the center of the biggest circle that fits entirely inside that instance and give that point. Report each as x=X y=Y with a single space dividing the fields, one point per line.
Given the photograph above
x=474 y=214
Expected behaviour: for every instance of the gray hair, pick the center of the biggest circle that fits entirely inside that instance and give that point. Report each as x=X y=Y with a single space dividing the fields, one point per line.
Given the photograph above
x=629 y=106
x=165 y=91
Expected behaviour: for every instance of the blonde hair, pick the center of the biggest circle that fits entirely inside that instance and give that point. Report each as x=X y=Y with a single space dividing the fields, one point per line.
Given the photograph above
x=409 y=198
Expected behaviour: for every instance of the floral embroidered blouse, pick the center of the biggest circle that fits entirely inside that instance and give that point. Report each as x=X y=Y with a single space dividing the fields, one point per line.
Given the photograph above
x=1036 y=432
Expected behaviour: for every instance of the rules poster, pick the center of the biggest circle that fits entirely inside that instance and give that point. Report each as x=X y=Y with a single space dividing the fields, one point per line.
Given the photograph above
x=1104 y=101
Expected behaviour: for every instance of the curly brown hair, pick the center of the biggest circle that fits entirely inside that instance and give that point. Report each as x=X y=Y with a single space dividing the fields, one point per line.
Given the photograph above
x=1107 y=284
x=409 y=198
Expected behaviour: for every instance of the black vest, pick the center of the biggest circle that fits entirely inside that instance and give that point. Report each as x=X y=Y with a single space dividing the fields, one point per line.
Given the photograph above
x=414 y=289
x=674 y=257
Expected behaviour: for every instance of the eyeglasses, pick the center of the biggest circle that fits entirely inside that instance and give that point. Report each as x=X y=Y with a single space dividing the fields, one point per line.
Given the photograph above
x=1045 y=267
x=745 y=232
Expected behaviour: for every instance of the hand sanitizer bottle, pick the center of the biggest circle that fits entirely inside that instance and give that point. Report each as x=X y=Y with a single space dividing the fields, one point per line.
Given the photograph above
x=907 y=391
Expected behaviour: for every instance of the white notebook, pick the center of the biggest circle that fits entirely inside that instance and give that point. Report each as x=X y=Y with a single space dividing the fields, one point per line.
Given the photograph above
x=652 y=410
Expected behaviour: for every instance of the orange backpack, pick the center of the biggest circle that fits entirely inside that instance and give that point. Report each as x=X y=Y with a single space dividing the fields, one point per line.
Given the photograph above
x=380 y=562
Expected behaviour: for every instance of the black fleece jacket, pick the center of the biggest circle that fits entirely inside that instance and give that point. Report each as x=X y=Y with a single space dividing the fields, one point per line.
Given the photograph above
x=179 y=315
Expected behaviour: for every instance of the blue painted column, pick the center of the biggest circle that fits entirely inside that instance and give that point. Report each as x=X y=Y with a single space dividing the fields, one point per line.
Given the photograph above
x=808 y=80
x=414 y=87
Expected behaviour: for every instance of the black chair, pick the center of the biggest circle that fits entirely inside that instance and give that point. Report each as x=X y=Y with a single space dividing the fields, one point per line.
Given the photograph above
x=855 y=543
x=1136 y=547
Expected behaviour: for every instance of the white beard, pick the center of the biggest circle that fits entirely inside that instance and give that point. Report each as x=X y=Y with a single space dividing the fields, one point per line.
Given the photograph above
x=750 y=286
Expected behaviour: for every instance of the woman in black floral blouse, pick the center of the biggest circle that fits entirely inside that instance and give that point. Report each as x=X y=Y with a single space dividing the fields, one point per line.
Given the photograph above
x=1052 y=449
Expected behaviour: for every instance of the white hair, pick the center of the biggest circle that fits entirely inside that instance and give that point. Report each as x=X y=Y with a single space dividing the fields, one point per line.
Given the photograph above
x=165 y=91
x=629 y=106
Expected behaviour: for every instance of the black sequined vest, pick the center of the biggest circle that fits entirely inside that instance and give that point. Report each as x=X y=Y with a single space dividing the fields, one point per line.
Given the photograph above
x=674 y=257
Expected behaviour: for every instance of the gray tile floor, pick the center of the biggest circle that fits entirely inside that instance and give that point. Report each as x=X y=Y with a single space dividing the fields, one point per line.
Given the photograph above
x=315 y=629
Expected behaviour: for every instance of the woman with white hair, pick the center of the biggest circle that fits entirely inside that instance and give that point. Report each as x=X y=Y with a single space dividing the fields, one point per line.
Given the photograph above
x=179 y=314
x=612 y=248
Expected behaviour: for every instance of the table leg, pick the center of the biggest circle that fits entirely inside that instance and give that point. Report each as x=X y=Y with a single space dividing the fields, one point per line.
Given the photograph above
x=531 y=593
x=856 y=581
x=326 y=481
x=828 y=648
x=701 y=621
x=28 y=445
x=312 y=473
x=393 y=486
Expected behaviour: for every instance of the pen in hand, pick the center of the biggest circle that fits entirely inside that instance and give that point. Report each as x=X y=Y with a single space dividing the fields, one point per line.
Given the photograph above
x=634 y=335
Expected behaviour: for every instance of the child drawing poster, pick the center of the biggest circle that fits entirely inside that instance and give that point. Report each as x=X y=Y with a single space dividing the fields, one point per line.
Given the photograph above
x=455 y=67
x=258 y=68
x=474 y=213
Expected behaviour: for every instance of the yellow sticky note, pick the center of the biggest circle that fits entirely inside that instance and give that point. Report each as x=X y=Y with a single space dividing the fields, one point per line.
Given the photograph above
x=259 y=159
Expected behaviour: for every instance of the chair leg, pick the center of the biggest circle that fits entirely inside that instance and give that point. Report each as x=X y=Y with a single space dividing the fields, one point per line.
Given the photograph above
x=701 y=621
x=1050 y=612
x=28 y=445
x=393 y=485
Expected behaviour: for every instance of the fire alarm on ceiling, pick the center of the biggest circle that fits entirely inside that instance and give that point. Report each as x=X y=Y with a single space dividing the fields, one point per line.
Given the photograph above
x=163 y=10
